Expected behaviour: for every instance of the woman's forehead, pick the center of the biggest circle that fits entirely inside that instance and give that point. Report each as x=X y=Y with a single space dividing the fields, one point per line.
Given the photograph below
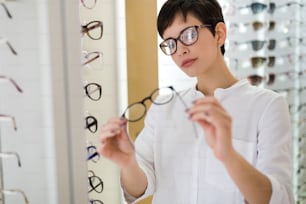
x=179 y=23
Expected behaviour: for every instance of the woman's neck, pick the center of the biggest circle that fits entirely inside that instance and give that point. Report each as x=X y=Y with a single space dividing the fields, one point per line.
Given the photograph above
x=208 y=83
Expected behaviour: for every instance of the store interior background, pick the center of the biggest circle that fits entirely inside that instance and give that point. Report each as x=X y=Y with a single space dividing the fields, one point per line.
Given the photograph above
x=51 y=140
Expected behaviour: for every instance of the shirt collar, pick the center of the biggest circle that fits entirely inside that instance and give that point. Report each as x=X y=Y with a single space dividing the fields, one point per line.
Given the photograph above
x=221 y=93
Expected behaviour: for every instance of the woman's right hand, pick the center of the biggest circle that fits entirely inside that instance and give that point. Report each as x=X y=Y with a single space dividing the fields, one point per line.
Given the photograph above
x=115 y=144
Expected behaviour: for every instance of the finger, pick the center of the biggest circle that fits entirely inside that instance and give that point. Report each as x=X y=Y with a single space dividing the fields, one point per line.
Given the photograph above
x=112 y=127
x=210 y=113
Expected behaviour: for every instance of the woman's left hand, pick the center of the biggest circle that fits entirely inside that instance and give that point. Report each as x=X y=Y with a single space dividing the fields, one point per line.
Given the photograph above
x=216 y=123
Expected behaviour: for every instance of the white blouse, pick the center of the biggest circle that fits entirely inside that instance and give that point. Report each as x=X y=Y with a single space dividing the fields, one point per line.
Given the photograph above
x=182 y=169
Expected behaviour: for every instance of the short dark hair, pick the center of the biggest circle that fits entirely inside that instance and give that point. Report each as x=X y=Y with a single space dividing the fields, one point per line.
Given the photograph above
x=207 y=11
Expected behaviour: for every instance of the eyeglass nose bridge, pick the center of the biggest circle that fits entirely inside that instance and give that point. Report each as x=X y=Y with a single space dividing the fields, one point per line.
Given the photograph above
x=182 y=48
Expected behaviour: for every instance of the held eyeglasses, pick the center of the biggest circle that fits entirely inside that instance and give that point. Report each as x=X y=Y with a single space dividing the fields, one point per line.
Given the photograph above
x=187 y=37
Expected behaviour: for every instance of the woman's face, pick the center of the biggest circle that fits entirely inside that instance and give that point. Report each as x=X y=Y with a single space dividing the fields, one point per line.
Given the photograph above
x=196 y=59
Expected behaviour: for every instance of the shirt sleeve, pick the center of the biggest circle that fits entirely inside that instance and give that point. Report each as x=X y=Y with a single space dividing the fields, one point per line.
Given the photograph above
x=144 y=145
x=275 y=150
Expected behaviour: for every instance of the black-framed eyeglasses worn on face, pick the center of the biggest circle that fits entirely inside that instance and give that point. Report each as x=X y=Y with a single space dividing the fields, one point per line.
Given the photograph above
x=93 y=91
x=11 y=154
x=94 y=30
x=12 y=118
x=2 y=77
x=187 y=37
x=15 y=192
x=5 y=41
x=89 y=4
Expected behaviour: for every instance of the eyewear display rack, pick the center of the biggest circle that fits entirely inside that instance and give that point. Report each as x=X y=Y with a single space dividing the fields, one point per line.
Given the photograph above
x=100 y=45
x=266 y=44
x=50 y=134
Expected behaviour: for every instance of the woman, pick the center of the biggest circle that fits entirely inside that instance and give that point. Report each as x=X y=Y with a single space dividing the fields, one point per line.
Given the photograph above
x=233 y=143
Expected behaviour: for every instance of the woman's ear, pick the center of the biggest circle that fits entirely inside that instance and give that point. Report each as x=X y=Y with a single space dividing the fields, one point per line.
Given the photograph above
x=220 y=33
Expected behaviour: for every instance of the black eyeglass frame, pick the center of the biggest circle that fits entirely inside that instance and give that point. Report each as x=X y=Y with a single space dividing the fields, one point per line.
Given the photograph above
x=85 y=29
x=163 y=45
x=89 y=94
x=142 y=102
x=83 y=3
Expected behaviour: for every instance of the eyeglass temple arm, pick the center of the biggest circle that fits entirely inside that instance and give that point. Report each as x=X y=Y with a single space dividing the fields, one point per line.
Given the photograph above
x=13 y=120
x=185 y=105
x=6 y=10
x=8 y=154
x=11 y=47
x=15 y=191
x=13 y=82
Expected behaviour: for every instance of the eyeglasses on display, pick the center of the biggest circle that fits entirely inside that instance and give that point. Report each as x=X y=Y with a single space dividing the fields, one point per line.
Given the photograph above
x=15 y=192
x=90 y=4
x=258 y=7
x=9 y=117
x=92 y=154
x=91 y=123
x=5 y=9
x=259 y=44
x=95 y=183
x=2 y=77
x=270 y=77
x=187 y=37
x=93 y=91
x=93 y=29
x=259 y=61
x=11 y=154
x=257 y=79
x=95 y=202
x=89 y=57
x=5 y=41
x=256 y=25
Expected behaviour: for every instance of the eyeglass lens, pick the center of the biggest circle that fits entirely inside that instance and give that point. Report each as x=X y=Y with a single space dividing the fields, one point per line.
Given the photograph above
x=260 y=7
x=188 y=36
x=91 y=124
x=95 y=183
x=257 y=79
x=257 y=25
x=258 y=61
x=93 y=91
x=91 y=56
x=90 y=4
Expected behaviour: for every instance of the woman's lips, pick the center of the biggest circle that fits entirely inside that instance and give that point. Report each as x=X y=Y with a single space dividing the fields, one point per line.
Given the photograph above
x=187 y=63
